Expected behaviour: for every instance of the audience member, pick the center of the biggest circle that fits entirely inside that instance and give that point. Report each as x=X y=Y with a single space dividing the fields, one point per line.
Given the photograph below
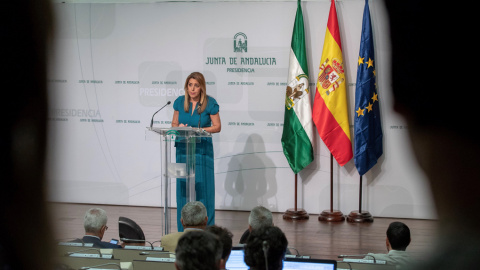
x=225 y=236
x=198 y=250
x=441 y=117
x=95 y=224
x=25 y=222
x=194 y=217
x=398 y=238
x=259 y=216
x=265 y=248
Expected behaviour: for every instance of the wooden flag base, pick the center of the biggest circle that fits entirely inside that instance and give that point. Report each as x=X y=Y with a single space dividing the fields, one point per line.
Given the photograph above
x=295 y=214
x=359 y=217
x=331 y=216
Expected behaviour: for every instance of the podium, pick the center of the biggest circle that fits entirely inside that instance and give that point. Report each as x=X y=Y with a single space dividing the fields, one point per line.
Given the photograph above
x=169 y=138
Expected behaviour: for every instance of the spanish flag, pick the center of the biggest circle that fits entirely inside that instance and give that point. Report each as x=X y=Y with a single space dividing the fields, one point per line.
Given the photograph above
x=330 y=113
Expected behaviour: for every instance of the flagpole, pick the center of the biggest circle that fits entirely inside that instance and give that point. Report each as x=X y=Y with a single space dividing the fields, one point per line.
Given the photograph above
x=360 y=216
x=331 y=215
x=360 y=195
x=296 y=192
x=295 y=213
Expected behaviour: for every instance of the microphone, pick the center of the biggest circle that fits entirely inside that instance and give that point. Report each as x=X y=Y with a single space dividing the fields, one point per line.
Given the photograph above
x=199 y=114
x=126 y=240
x=298 y=253
x=151 y=122
x=265 y=248
x=358 y=255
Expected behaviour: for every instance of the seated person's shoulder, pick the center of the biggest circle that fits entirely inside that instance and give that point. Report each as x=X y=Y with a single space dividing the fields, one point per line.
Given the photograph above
x=169 y=241
x=172 y=235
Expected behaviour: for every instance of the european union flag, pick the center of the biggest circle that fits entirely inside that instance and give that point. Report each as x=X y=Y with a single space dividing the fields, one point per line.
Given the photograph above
x=368 y=127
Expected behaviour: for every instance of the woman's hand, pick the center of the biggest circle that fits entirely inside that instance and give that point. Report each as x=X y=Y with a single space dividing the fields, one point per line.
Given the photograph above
x=216 y=124
x=175 y=120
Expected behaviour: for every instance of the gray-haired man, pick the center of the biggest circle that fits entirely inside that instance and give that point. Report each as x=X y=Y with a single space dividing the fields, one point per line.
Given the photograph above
x=259 y=217
x=194 y=217
x=95 y=224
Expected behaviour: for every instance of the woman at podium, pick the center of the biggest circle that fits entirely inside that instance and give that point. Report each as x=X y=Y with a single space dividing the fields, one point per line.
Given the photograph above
x=198 y=110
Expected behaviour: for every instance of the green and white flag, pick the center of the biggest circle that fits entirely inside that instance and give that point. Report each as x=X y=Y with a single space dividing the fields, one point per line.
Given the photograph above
x=297 y=137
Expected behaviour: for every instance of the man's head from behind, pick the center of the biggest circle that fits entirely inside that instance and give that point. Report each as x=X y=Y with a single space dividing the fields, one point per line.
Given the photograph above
x=194 y=214
x=266 y=244
x=398 y=236
x=225 y=236
x=198 y=250
x=95 y=222
x=259 y=217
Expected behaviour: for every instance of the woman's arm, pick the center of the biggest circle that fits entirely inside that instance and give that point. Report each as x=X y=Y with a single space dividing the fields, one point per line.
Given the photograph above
x=216 y=124
x=175 y=119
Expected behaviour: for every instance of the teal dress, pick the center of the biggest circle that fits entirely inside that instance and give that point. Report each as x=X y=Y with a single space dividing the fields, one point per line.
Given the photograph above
x=204 y=172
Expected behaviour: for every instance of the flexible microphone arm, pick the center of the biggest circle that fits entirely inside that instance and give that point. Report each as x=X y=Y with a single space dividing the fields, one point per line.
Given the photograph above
x=151 y=122
x=298 y=254
x=136 y=241
x=358 y=255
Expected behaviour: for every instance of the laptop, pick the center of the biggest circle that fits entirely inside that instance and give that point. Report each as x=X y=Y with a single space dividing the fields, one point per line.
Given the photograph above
x=236 y=262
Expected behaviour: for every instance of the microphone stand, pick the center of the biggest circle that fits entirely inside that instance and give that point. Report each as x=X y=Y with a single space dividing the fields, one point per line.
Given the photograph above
x=265 y=248
x=126 y=240
x=151 y=121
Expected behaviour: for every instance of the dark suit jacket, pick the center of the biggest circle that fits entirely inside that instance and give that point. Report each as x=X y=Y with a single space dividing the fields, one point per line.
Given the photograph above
x=97 y=243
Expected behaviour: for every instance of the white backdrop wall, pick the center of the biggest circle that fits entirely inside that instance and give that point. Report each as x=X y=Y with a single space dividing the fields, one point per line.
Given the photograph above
x=114 y=65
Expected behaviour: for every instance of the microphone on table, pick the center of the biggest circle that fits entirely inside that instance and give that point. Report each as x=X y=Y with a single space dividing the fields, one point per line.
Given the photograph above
x=128 y=240
x=265 y=248
x=151 y=122
x=358 y=255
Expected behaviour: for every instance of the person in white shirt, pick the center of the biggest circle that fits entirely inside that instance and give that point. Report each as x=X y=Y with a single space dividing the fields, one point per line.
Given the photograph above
x=397 y=241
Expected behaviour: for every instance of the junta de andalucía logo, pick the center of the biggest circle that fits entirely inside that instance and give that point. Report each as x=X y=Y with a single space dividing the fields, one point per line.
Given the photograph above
x=240 y=42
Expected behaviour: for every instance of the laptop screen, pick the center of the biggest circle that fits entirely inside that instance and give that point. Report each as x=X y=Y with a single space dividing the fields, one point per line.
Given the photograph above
x=303 y=264
x=236 y=262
